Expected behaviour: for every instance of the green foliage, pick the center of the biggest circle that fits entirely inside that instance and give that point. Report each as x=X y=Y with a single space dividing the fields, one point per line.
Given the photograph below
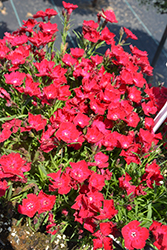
x=160 y=5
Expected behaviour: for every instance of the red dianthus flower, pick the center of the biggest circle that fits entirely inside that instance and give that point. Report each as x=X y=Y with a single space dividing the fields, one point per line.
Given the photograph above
x=67 y=132
x=109 y=16
x=36 y=121
x=3 y=187
x=79 y=171
x=30 y=206
x=159 y=232
x=69 y=7
x=130 y=34
x=134 y=235
x=12 y=163
x=46 y=201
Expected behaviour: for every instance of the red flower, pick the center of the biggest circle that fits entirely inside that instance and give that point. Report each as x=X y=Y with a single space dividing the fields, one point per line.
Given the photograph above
x=159 y=232
x=148 y=138
x=67 y=132
x=39 y=13
x=77 y=52
x=18 y=56
x=110 y=140
x=102 y=241
x=14 y=124
x=116 y=112
x=15 y=78
x=43 y=14
x=79 y=171
x=130 y=34
x=3 y=175
x=124 y=183
x=96 y=181
x=95 y=199
x=50 y=12
x=69 y=7
x=96 y=59
x=37 y=122
x=132 y=119
x=47 y=142
x=90 y=85
x=152 y=174
x=93 y=36
x=50 y=91
x=109 y=16
x=90 y=31
x=149 y=123
x=149 y=108
x=5 y=134
x=131 y=154
x=40 y=38
x=19 y=40
x=107 y=36
x=63 y=92
x=90 y=24
x=12 y=163
x=60 y=182
x=58 y=74
x=93 y=135
x=138 y=52
x=101 y=160
x=5 y=95
x=64 y=212
x=69 y=60
x=138 y=79
x=31 y=88
x=28 y=25
x=81 y=120
x=134 y=94
x=98 y=107
x=43 y=67
x=80 y=201
x=108 y=211
x=126 y=76
x=134 y=235
x=50 y=229
x=125 y=141
x=3 y=51
x=30 y=205
x=3 y=187
x=46 y=201
x=49 y=28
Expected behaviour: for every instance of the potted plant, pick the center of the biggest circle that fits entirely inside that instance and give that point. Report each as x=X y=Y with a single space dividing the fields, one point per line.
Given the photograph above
x=78 y=152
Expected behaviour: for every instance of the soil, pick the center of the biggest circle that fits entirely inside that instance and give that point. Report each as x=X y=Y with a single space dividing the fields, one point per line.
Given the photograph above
x=21 y=237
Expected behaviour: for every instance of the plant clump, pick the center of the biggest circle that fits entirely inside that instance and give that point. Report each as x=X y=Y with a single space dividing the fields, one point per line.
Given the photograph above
x=79 y=156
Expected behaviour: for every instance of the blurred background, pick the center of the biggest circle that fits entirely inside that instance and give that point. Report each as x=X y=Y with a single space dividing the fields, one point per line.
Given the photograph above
x=147 y=19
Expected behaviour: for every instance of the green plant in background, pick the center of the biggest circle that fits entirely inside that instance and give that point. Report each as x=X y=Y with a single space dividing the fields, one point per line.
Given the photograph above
x=160 y=5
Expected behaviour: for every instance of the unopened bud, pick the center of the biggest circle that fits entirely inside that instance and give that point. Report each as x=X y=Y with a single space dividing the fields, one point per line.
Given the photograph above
x=121 y=31
x=63 y=12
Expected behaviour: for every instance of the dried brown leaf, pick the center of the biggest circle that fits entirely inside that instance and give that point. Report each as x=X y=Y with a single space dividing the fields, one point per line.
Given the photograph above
x=29 y=14
x=3 y=11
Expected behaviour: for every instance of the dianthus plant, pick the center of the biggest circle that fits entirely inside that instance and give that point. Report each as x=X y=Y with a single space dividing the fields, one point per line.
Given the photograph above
x=78 y=151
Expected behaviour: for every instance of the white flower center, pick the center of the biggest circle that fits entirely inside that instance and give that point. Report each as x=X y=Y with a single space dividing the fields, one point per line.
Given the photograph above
x=133 y=234
x=30 y=206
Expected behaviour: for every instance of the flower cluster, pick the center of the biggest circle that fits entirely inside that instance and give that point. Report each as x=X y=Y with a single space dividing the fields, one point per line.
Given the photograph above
x=77 y=137
x=34 y=203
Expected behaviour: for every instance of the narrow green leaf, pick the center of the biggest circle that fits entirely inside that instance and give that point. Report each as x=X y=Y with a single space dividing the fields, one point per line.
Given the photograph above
x=42 y=171
x=12 y=117
x=149 y=213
